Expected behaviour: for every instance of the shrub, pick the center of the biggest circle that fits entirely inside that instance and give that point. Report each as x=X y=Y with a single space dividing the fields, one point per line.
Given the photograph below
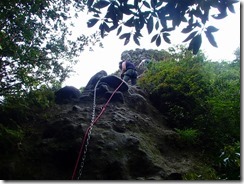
x=202 y=102
x=190 y=135
x=229 y=162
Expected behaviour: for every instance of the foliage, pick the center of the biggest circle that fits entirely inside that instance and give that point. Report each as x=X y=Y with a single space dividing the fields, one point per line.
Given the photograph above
x=224 y=101
x=188 y=135
x=230 y=162
x=202 y=96
x=10 y=138
x=201 y=173
x=178 y=99
x=34 y=43
x=19 y=112
x=24 y=108
x=161 y=16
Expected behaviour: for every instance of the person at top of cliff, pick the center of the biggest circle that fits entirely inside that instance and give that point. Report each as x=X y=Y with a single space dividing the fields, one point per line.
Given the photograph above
x=128 y=69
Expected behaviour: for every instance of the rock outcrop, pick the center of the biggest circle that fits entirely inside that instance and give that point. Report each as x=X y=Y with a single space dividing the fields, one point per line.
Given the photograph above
x=67 y=94
x=128 y=142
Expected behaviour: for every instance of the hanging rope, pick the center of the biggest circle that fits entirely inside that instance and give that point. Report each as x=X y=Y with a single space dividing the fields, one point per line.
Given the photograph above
x=88 y=132
x=86 y=137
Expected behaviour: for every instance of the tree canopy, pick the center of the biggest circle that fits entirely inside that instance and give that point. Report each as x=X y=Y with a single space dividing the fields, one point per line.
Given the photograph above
x=163 y=16
x=35 y=42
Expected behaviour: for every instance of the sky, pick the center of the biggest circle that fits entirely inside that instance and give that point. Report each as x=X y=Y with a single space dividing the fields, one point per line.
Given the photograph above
x=108 y=57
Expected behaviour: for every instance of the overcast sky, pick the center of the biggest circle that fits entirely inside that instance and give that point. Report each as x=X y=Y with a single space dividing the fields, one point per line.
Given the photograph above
x=107 y=58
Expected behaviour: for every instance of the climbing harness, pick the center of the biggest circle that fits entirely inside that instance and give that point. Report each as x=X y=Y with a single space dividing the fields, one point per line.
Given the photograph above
x=87 y=135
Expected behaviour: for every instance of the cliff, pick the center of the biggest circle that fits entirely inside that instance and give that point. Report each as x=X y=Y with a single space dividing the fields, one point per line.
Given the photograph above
x=129 y=141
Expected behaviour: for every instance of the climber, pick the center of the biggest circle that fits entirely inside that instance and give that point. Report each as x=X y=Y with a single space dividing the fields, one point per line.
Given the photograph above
x=128 y=69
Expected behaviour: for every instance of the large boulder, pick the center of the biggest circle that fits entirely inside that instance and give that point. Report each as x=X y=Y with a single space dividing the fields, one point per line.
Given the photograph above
x=67 y=94
x=94 y=79
x=105 y=88
x=114 y=82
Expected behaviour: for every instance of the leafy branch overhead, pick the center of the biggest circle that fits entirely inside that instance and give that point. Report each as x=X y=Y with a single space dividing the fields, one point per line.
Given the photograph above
x=34 y=43
x=160 y=16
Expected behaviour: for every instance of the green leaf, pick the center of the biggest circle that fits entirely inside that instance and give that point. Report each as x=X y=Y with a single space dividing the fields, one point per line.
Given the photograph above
x=153 y=3
x=106 y=28
x=135 y=37
x=119 y=14
x=141 y=21
x=159 y=4
x=190 y=36
x=119 y=30
x=176 y=19
x=195 y=44
x=188 y=29
x=101 y=27
x=158 y=40
x=92 y=22
x=197 y=12
x=211 y=38
x=150 y=25
x=163 y=20
x=231 y=8
x=96 y=15
x=125 y=9
x=101 y=4
x=89 y=3
x=157 y=25
x=212 y=29
x=127 y=40
x=125 y=35
x=137 y=24
x=130 y=22
x=154 y=38
x=165 y=37
x=145 y=3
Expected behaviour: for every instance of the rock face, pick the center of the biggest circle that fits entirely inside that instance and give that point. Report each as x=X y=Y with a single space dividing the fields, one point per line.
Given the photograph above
x=92 y=82
x=128 y=142
x=67 y=94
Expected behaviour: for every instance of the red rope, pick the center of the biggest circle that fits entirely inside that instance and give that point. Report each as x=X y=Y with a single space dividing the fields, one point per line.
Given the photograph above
x=93 y=123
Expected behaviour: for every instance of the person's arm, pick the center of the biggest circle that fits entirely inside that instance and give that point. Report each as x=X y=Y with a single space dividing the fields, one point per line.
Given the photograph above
x=123 y=69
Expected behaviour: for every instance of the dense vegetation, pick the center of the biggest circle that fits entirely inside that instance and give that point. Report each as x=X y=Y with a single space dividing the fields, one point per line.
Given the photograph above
x=202 y=102
x=35 y=44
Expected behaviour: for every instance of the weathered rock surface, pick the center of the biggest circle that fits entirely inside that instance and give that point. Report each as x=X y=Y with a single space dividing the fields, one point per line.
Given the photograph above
x=128 y=142
x=67 y=94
